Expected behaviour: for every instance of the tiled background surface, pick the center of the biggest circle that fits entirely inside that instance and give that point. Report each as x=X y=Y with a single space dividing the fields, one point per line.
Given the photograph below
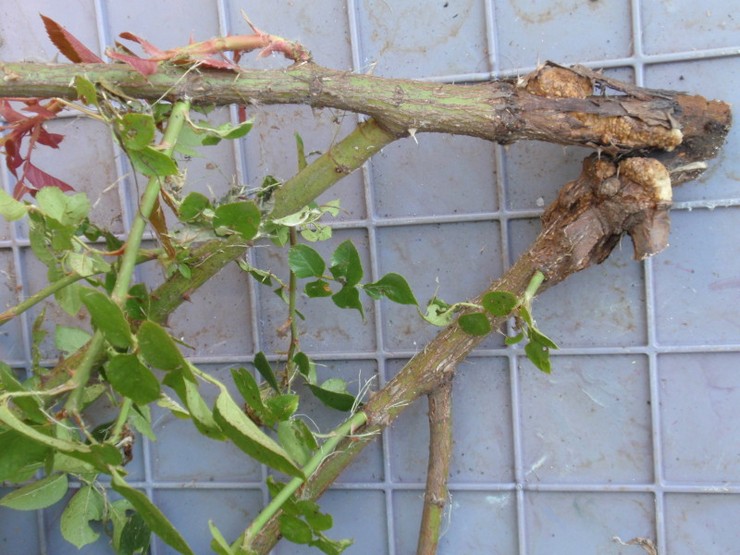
x=633 y=435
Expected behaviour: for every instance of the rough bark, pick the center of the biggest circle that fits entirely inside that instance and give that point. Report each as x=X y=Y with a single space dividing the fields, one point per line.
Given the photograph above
x=552 y=104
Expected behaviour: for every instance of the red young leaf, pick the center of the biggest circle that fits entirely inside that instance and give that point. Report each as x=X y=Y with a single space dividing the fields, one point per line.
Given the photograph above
x=67 y=44
x=8 y=113
x=145 y=67
x=148 y=47
x=13 y=158
x=49 y=139
x=40 y=179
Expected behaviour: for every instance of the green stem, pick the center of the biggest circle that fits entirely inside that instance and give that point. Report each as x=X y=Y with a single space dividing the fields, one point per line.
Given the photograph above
x=52 y=288
x=292 y=293
x=328 y=447
x=534 y=284
x=128 y=262
x=148 y=201
x=340 y=160
x=36 y=298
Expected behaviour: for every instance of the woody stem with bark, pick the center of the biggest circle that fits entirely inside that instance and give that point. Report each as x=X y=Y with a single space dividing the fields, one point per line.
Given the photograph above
x=438 y=468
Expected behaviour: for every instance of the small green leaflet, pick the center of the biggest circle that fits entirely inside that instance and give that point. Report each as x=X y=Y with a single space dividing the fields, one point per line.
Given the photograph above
x=212 y=135
x=158 y=348
x=297 y=440
x=333 y=393
x=135 y=536
x=152 y=162
x=132 y=379
x=219 y=545
x=394 y=287
x=249 y=438
x=295 y=530
x=20 y=456
x=86 y=505
x=439 y=313
x=346 y=266
x=11 y=209
x=68 y=210
x=499 y=303
x=136 y=131
x=263 y=367
x=306 y=366
x=107 y=317
x=37 y=495
x=539 y=355
x=242 y=217
x=318 y=288
x=151 y=514
x=193 y=206
x=305 y=262
x=348 y=297
x=86 y=90
x=475 y=323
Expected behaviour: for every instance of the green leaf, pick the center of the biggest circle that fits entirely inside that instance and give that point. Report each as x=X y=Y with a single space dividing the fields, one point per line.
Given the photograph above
x=294 y=529
x=293 y=441
x=154 y=518
x=158 y=348
x=306 y=366
x=439 y=313
x=394 y=287
x=346 y=266
x=200 y=413
x=302 y=163
x=539 y=355
x=37 y=495
x=136 y=131
x=118 y=514
x=283 y=406
x=249 y=389
x=515 y=339
x=68 y=210
x=193 y=206
x=68 y=340
x=536 y=335
x=20 y=456
x=305 y=262
x=499 y=303
x=249 y=438
x=152 y=162
x=100 y=456
x=212 y=135
x=316 y=233
x=476 y=323
x=135 y=536
x=30 y=405
x=141 y=419
x=526 y=316
x=348 y=297
x=318 y=288
x=86 y=505
x=108 y=318
x=331 y=547
x=314 y=517
x=263 y=367
x=219 y=544
x=69 y=298
x=86 y=90
x=333 y=393
x=11 y=209
x=132 y=379
x=242 y=217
